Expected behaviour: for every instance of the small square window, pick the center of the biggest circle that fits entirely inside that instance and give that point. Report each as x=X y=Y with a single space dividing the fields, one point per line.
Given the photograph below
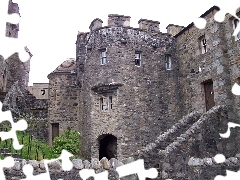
x=235 y=25
x=168 y=60
x=138 y=59
x=203 y=44
x=103 y=56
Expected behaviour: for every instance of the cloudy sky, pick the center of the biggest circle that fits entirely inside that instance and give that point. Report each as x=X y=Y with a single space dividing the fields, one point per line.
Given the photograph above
x=49 y=27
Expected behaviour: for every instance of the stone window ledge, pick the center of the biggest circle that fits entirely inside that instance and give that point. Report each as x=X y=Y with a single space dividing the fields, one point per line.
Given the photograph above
x=106 y=87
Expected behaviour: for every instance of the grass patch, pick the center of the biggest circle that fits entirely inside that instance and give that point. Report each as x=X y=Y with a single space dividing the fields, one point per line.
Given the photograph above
x=35 y=149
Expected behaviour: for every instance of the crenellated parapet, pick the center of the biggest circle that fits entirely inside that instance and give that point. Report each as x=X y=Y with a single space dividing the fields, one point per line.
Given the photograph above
x=149 y=25
x=118 y=20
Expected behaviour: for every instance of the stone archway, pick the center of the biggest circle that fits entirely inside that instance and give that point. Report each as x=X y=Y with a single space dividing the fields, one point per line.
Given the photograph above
x=107 y=146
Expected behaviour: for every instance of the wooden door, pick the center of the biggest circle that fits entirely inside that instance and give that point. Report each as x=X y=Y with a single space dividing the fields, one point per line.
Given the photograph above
x=209 y=95
x=55 y=130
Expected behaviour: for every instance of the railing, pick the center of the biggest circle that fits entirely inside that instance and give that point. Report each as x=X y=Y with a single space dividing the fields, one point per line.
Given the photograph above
x=31 y=149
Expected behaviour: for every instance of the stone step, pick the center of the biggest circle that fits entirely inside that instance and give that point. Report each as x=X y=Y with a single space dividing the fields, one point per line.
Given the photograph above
x=173 y=139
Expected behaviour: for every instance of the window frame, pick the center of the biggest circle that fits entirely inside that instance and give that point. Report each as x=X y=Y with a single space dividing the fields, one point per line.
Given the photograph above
x=103 y=56
x=203 y=44
x=139 y=59
x=168 y=62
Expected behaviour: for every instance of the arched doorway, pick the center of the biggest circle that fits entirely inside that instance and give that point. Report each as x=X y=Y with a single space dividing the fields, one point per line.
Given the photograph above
x=107 y=146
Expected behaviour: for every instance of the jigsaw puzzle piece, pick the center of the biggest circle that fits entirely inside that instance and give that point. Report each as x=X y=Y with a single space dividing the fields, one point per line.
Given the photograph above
x=225 y=8
x=7 y=162
x=87 y=173
x=21 y=125
x=200 y=23
x=236 y=89
x=9 y=46
x=137 y=167
x=66 y=166
x=230 y=175
x=28 y=171
x=230 y=125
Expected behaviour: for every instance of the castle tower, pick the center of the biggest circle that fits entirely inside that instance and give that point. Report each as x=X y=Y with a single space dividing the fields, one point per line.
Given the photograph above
x=128 y=79
x=63 y=103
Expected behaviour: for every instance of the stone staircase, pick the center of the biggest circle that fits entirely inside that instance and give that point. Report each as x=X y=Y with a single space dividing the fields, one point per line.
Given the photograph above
x=172 y=149
x=172 y=134
x=5 y=152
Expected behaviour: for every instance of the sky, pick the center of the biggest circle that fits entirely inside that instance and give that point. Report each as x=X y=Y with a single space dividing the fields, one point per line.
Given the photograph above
x=49 y=27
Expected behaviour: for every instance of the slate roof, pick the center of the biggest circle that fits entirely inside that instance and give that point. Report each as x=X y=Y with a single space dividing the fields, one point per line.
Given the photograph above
x=67 y=66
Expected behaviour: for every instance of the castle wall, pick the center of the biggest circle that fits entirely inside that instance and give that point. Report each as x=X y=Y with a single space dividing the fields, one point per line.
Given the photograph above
x=39 y=90
x=233 y=56
x=63 y=102
x=11 y=31
x=18 y=71
x=3 y=74
x=144 y=98
x=214 y=65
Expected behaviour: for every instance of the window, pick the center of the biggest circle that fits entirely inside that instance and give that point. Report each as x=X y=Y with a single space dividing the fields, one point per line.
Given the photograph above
x=203 y=44
x=235 y=24
x=110 y=102
x=138 y=58
x=55 y=131
x=43 y=91
x=103 y=56
x=101 y=104
x=106 y=103
x=168 y=61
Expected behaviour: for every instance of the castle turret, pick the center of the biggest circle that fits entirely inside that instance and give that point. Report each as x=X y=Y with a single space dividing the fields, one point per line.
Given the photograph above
x=63 y=103
x=126 y=77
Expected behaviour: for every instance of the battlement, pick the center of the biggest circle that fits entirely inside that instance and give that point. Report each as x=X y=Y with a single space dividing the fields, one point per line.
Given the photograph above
x=82 y=37
x=149 y=25
x=118 y=20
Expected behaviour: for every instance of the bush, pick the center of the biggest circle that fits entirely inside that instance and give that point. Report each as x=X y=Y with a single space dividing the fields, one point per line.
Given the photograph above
x=68 y=140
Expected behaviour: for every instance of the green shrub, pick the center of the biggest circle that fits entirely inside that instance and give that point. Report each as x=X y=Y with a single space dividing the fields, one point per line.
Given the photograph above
x=68 y=140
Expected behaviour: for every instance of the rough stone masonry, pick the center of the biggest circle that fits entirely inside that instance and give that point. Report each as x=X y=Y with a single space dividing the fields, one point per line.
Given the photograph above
x=130 y=88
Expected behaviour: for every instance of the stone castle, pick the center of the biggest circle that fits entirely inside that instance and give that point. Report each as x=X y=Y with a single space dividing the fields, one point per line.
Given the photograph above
x=138 y=92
